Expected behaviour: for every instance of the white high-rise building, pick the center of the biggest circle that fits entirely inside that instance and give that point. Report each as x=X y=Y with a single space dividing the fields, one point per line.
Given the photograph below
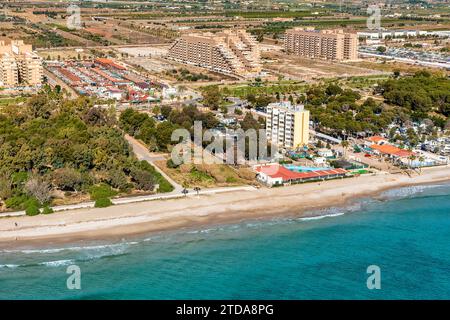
x=287 y=125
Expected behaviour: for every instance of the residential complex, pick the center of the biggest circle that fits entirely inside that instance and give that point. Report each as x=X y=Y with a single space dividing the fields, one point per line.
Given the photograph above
x=19 y=65
x=334 y=45
x=231 y=52
x=287 y=125
x=106 y=79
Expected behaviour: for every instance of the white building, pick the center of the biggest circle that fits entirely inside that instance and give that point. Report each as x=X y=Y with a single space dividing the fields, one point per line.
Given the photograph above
x=169 y=92
x=324 y=152
x=375 y=35
x=287 y=125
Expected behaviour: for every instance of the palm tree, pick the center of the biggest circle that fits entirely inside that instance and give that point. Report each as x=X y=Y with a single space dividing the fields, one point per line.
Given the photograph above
x=411 y=159
x=421 y=160
x=344 y=145
x=185 y=192
x=197 y=189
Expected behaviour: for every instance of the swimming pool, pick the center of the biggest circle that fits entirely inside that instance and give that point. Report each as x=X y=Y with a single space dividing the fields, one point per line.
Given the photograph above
x=304 y=169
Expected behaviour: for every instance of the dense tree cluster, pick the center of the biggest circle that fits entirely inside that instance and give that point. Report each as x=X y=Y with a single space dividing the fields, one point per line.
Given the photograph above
x=212 y=96
x=158 y=135
x=53 y=144
x=336 y=110
x=419 y=94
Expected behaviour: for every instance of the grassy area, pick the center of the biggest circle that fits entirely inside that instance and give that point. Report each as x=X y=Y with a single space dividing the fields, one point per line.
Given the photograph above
x=282 y=87
x=364 y=82
x=207 y=176
x=11 y=100
x=404 y=68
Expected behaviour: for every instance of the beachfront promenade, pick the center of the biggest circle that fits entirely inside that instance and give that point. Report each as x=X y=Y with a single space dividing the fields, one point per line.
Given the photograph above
x=127 y=200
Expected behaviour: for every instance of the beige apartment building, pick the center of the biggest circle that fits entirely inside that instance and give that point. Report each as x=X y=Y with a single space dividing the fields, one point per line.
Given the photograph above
x=335 y=45
x=231 y=52
x=287 y=125
x=19 y=65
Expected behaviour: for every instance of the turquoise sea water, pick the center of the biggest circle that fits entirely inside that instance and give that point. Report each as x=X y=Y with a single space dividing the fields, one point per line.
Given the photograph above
x=406 y=234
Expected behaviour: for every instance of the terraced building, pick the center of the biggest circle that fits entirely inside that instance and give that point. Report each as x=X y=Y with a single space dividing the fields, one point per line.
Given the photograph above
x=230 y=52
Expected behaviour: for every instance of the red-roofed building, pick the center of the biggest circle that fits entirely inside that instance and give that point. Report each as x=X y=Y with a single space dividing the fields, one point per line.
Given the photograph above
x=391 y=151
x=275 y=174
x=108 y=63
x=376 y=140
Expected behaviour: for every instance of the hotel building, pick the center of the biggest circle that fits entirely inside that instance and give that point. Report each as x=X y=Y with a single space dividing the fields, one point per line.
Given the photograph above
x=335 y=45
x=231 y=52
x=19 y=65
x=287 y=125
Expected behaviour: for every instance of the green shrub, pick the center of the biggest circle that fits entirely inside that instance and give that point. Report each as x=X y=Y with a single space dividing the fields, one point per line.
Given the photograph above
x=171 y=164
x=231 y=180
x=101 y=191
x=21 y=202
x=198 y=175
x=103 y=203
x=16 y=202
x=47 y=210
x=19 y=178
x=32 y=210
x=164 y=185
x=143 y=179
x=32 y=202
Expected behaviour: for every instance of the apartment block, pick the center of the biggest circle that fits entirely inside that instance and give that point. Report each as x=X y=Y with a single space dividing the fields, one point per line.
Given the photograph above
x=335 y=45
x=9 y=74
x=19 y=65
x=231 y=52
x=287 y=125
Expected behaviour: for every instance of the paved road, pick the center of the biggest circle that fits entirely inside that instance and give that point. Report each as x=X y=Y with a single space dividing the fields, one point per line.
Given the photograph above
x=142 y=153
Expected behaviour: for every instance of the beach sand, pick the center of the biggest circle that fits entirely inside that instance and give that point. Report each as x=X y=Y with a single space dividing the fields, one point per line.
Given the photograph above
x=196 y=211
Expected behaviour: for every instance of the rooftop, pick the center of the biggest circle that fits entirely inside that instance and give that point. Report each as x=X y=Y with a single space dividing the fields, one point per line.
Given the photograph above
x=287 y=105
x=392 y=150
x=279 y=171
x=376 y=139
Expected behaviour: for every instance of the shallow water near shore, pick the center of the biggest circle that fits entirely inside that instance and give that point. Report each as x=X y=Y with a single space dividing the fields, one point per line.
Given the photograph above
x=406 y=232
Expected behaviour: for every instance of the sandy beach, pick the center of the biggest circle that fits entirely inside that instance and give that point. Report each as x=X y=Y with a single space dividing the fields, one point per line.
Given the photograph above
x=196 y=211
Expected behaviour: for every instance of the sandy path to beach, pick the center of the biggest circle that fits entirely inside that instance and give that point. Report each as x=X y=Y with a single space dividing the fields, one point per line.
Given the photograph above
x=194 y=211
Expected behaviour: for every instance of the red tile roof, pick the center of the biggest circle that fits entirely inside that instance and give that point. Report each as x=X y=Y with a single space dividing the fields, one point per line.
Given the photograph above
x=69 y=75
x=376 y=139
x=277 y=171
x=392 y=150
x=109 y=63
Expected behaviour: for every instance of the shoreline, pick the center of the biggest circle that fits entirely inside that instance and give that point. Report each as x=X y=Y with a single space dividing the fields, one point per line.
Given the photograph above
x=135 y=219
